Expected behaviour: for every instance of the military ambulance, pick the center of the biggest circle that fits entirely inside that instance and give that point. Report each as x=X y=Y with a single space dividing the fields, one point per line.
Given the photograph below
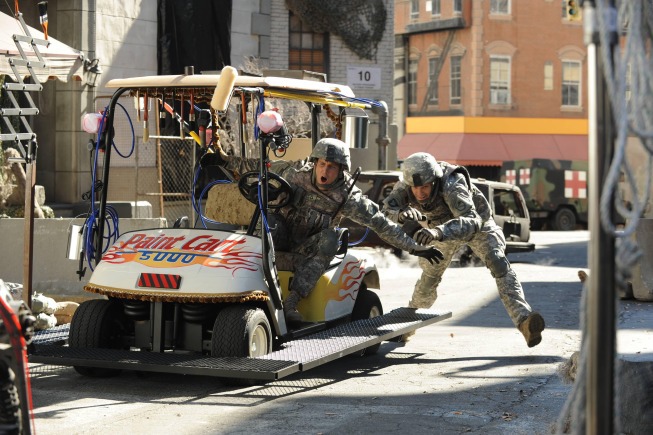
x=555 y=191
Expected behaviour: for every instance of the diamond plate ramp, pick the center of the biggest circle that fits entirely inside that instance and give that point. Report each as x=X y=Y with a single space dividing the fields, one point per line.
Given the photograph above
x=191 y=364
x=342 y=340
x=297 y=355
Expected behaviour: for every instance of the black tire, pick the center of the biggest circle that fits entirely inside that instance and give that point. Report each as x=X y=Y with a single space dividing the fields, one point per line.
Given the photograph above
x=97 y=323
x=367 y=306
x=10 y=411
x=241 y=331
x=564 y=220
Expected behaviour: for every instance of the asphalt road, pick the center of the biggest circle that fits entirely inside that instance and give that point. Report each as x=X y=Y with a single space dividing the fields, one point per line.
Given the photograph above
x=472 y=373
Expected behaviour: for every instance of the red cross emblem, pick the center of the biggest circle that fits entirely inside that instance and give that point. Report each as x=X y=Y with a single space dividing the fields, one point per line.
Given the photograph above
x=525 y=176
x=511 y=176
x=575 y=184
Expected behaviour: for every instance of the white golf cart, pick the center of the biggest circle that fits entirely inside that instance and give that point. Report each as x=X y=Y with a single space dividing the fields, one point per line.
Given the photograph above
x=199 y=300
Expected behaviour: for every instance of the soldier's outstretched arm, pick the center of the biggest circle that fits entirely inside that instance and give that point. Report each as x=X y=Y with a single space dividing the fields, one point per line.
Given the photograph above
x=364 y=211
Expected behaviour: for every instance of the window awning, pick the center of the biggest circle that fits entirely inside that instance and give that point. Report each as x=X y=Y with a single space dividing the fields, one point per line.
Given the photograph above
x=485 y=149
x=63 y=62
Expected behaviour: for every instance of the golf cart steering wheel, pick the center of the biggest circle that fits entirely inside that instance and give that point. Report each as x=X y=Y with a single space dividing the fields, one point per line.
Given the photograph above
x=279 y=191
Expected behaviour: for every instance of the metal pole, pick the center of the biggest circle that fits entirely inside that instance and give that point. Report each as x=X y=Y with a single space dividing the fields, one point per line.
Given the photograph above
x=601 y=299
x=107 y=138
x=28 y=234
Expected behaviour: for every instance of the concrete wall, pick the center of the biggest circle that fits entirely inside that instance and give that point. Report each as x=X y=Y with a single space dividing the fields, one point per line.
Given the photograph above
x=250 y=32
x=53 y=273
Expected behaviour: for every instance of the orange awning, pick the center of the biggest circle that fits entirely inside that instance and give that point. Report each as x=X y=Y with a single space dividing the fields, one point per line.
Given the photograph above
x=481 y=149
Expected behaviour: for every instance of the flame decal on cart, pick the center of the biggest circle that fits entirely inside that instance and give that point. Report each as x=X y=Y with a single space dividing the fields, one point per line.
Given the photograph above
x=348 y=281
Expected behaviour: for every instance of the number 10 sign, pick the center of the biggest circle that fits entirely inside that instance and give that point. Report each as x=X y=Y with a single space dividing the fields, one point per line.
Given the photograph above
x=363 y=77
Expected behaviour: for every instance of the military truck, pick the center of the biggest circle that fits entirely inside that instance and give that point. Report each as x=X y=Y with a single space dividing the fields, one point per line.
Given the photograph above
x=555 y=191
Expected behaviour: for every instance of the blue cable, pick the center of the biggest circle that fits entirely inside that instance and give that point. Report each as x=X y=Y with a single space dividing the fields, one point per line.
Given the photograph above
x=362 y=239
x=111 y=224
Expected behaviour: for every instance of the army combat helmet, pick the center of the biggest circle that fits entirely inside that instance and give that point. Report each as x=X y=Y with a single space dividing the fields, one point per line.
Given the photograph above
x=332 y=150
x=421 y=169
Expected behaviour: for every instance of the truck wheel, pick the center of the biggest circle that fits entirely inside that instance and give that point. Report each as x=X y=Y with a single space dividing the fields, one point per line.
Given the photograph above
x=564 y=220
x=367 y=306
x=97 y=323
x=241 y=331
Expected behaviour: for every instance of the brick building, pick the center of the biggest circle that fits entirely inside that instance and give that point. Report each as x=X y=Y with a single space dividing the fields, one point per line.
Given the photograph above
x=480 y=82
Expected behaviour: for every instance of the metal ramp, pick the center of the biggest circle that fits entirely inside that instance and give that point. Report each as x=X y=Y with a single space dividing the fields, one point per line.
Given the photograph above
x=294 y=356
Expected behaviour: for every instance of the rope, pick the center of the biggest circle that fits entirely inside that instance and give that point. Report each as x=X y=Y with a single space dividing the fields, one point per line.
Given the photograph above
x=628 y=69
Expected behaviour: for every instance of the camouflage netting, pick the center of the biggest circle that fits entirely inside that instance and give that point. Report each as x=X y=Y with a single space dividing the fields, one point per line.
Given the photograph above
x=360 y=23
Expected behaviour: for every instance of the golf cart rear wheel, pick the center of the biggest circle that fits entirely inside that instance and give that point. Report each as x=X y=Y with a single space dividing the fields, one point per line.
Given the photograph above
x=241 y=331
x=97 y=323
x=367 y=306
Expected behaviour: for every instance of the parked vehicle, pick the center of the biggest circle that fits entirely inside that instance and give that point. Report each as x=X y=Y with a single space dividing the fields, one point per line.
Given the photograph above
x=555 y=191
x=506 y=200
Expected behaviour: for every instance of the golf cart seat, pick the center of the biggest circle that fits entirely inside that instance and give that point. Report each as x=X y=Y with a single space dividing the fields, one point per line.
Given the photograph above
x=226 y=204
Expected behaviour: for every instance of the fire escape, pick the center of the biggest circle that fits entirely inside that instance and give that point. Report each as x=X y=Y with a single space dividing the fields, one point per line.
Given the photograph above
x=438 y=67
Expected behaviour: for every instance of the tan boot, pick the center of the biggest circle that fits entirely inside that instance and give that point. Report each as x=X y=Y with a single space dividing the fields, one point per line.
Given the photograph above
x=531 y=328
x=290 y=308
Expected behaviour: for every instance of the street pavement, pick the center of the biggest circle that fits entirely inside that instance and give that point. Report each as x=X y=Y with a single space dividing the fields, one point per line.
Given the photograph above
x=472 y=373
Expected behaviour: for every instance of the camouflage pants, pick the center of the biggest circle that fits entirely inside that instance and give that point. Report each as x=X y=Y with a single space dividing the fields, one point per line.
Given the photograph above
x=314 y=256
x=489 y=245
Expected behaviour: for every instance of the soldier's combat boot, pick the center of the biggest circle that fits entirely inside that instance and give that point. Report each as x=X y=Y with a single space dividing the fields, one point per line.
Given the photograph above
x=290 y=308
x=531 y=328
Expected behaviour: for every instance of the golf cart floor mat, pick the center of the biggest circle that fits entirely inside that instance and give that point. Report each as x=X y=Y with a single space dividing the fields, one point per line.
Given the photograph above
x=298 y=355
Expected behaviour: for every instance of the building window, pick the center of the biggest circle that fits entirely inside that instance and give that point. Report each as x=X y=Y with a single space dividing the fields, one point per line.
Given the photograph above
x=412 y=81
x=308 y=50
x=457 y=7
x=455 y=97
x=435 y=8
x=548 y=76
x=500 y=7
x=571 y=72
x=499 y=80
x=433 y=80
x=414 y=9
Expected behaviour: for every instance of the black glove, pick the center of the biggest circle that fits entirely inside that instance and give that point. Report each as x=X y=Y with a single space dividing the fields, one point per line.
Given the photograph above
x=431 y=253
x=212 y=159
x=410 y=214
x=425 y=236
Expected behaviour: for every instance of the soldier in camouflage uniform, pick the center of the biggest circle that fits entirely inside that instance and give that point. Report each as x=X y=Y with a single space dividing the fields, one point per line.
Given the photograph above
x=323 y=193
x=453 y=212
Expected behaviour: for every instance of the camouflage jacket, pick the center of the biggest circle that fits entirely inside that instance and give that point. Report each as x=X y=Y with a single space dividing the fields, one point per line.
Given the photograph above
x=457 y=209
x=311 y=210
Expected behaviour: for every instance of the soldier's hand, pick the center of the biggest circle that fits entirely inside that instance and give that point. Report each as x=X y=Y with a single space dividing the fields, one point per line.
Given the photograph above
x=410 y=214
x=426 y=236
x=431 y=253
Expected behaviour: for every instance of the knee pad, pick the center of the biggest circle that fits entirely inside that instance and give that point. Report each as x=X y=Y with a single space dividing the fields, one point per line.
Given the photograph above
x=498 y=264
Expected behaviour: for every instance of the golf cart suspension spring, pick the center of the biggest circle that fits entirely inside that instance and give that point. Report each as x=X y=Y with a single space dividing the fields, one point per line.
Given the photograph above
x=198 y=313
x=137 y=310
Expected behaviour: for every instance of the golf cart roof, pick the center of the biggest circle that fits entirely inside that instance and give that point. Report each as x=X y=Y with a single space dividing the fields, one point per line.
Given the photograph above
x=271 y=86
x=211 y=80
